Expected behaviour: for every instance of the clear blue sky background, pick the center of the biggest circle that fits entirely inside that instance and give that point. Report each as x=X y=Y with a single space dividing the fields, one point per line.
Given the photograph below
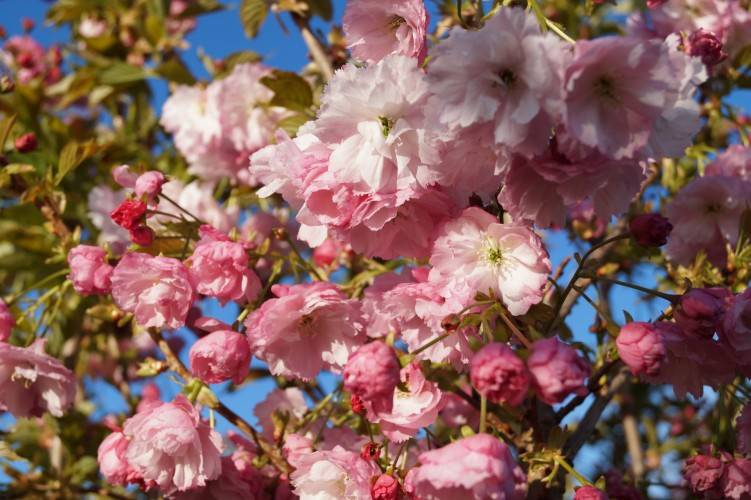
x=220 y=34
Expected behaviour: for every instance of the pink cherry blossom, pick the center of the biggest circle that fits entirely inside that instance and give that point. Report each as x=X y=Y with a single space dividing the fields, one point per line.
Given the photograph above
x=641 y=347
x=307 y=328
x=32 y=382
x=703 y=473
x=386 y=487
x=590 y=493
x=295 y=447
x=476 y=467
x=171 y=448
x=149 y=185
x=691 y=363
x=477 y=252
x=7 y=321
x=335 y=473
x=499 y=374
x=112 y=463
x=124 y=176
x=557 y=370
x=156 y=290
x=700 y=310
x=219 y=268
x=705 y=215
x=376 y=29
x=735 y=161
x=89 y=271
x=372 y=374
x=539 y=189
x=232 y=483
x=516 y=80
x=411 y=410
x=220 y=356
x=290 y=400
x=619 y=89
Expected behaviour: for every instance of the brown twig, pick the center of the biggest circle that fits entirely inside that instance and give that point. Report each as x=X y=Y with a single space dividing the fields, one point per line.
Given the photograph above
x=315 y=47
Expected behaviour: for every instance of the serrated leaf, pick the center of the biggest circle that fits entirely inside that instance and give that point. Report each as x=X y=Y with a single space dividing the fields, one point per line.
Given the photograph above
x=72 y=155
x=252 y=14
x=175 y=70
x=291 y=124
x=291 y=91
x=121 y=73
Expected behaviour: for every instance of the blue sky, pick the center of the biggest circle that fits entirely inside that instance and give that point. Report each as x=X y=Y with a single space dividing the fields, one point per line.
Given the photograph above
x=220 y=34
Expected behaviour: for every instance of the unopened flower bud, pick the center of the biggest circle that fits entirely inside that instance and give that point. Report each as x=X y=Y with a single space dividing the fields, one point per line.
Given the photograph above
x=451 y=322
x=370 y=451
x=26 y=143
x=650 y=230
x=142 y=235
x=499 y=374
x=357 y=405
x=27 y=24
x=641 y=347
x=590 y=493
x=386 y=487
x=705 y=45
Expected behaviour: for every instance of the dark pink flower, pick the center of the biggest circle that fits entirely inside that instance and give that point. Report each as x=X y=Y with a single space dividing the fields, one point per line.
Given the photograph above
x=220 y=356
x=129 y=214
x=700 y=310
x=641 y=347
x=650 y=230
x=499 y=374
x=703 y=473
x=372 y=373
x=557 y=370
x=7 y=321
x=590 y=493
x=705 y=45
x=386 y=487
x=26 y=143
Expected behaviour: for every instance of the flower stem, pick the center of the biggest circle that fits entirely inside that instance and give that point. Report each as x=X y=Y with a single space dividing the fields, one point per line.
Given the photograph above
x=563 y=463
x=483 y=414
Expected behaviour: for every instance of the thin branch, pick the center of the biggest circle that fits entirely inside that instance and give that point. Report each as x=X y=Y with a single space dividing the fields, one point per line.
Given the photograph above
x=315 y=47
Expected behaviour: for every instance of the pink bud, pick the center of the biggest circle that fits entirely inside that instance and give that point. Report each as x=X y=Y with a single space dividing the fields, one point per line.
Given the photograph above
x=499 y=374
x=129 y=213
x=705 y=45
x=142 y=235
x=386 y=487
x=650 y=230
x=327 y=252
x=653 y=4
x=220 y=356
x=372 y=374
x=700 y=310
x=26 y=143
x=370 y=451
x=590 y=493
x=641 y=347
x=149 y=184
x=557 y=370
x=124 y=176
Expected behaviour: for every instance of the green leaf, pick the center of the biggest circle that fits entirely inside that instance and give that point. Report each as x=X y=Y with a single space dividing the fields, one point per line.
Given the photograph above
x=291 y=91
x=291 y=124
x=252 y=15
x=121 y=73
x=174 y=70
x=322 y=8
x=72 y=155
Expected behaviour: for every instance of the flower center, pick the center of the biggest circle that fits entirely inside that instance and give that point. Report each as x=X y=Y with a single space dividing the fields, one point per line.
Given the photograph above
x=492 y=254
x=394 y=22
x=605 y=87
x=386 y=125
x=306 y=324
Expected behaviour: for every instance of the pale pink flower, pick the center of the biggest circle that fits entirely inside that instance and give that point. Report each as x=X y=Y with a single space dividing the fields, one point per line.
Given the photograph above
x=700 y=310
x=743 y=430
x=112 y=463
x=641 y=347
x=32 y=382
x=691 y=363
x=219 y=268
x=124 y=176
x=232 y=484
x=336 y=473
x=477 y=252
x=307 y=328
x=295 y=447
x=376 y=29
x=7 y=321
x=619 y=88
x=172 y=448
x=705 y=215
x=458 y=412
x=735 y=161
x=156 y=290
x=373 y=119
x=476 y=467
x=220 y=356
x=89 y=271
x=557 y=370
x=27 y=55
x=540 y=189
x=411 y=410
x=149 y=185
x=516 y=80
x=372 y=374
x=91 y=27
x=290 y=401
x=192 y=119
x=499 y=374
